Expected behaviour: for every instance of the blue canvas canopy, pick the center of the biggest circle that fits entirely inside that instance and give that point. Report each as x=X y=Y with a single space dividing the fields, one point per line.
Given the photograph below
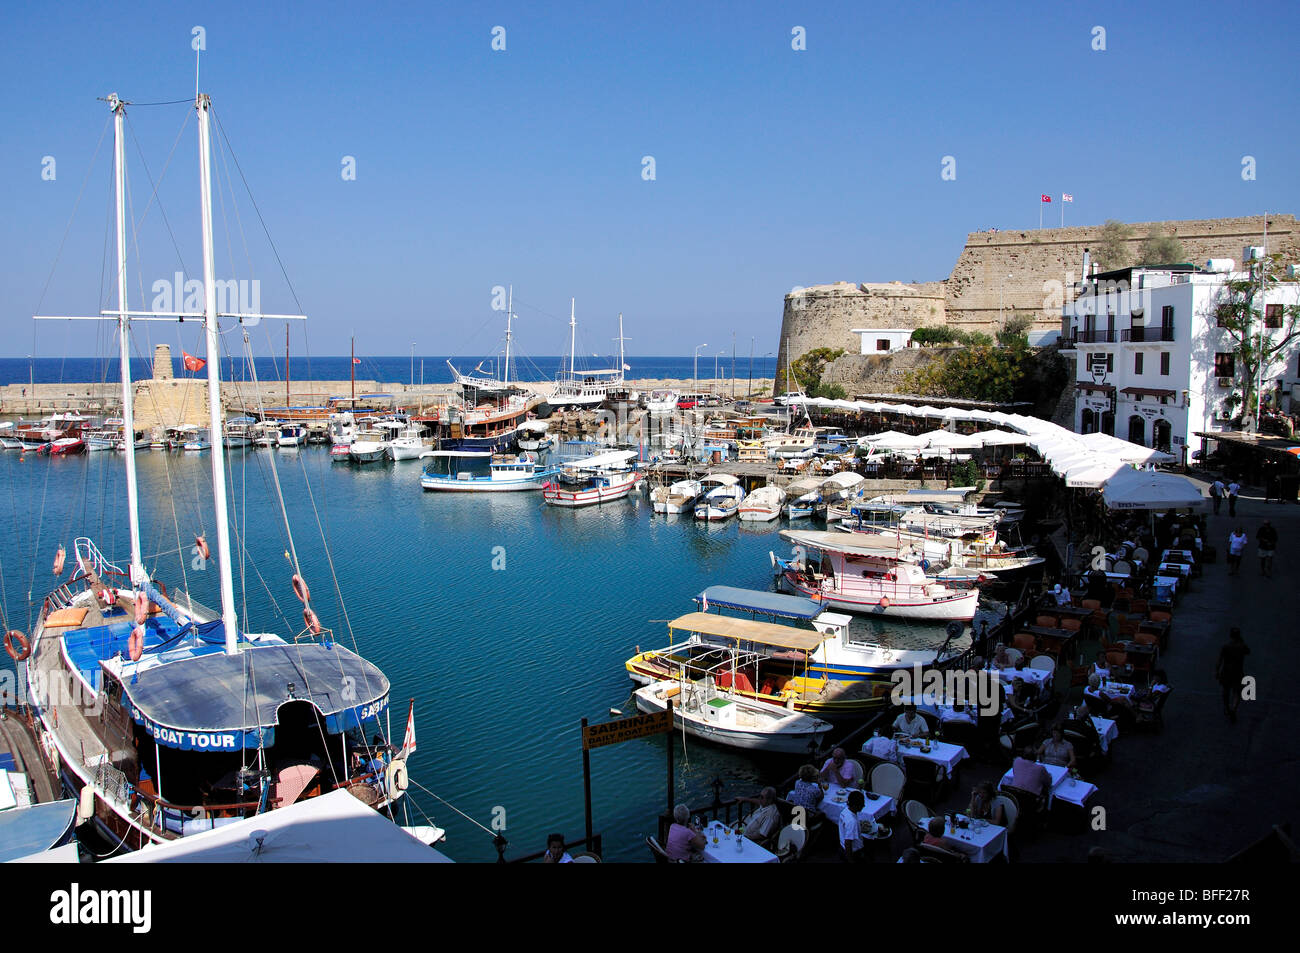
x=773 y=604
x=210 y=701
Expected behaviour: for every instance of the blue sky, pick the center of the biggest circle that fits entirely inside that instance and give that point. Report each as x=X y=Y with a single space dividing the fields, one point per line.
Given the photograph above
x=475 y=168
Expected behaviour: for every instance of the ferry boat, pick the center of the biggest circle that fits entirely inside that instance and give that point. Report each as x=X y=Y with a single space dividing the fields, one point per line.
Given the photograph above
x=867 y=576
x=762 y=505
x=479 y=471
x=602 y=478
x=678 y=497
x=168 y=718
x=721 y=499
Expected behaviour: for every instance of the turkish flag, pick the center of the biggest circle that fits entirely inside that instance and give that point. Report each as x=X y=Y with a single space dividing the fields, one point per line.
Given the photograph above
x=1046 y=198
x=356 y=360
x=191 y=362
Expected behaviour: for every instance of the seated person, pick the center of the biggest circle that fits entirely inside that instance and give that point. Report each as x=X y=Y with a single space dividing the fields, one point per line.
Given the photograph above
x=1028 y=775
x=807 y=792
x=1159 y=686
x=555 y=852
x=911 y=724
x=684 y=841
x=838 y=770
x=886 y=749
x=934 y=833
x=1101 y=666
x=1023 y=698
x=1062 y=595
x=763 y=824
x=982 y=805
x=910 y=856
x=1001 y=658
x=850 y=825
x=1057 y=750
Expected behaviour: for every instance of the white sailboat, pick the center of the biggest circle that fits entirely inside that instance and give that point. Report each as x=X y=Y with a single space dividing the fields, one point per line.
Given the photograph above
x=179 y=720
x=592 y=387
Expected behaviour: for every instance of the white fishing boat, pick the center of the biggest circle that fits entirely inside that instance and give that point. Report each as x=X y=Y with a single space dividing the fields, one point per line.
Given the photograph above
x=588 y=388
x=407 y=443
x=342 y=431
x=533 y=436
x=106 y=438
x=678 y=497
x=238 y=432
x=291 y=436
x=866 y=575
x=762 y=505
x=801 y=497
x=981 y=553
x=602 y=478
x=167 y=718
x=481 y=471
x=370 y=445
x=835 y=489
x=9 y=436
x=661 y=402
x=195 y=439
x=265 y=434
x=721 y=499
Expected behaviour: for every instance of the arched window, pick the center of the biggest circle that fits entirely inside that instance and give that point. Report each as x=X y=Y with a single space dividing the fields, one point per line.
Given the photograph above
x=1137 y=431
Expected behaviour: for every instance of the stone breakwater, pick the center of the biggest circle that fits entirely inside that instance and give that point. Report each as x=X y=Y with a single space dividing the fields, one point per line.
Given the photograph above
x=995 y=275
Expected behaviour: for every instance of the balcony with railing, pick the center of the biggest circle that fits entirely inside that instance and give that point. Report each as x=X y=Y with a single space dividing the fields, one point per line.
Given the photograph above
x=1094 y=336
x=1143 y=334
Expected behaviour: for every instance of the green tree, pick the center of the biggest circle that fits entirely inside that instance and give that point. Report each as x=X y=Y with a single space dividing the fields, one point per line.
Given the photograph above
x=1160 y=249
x=1254 y=344
x=1015 y=330
x=807 y=369
x=1112 y=251
x=973 y=373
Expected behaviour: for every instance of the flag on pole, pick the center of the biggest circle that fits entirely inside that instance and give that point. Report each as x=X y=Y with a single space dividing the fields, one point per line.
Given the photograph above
x=191 y=362
x=1067 y=197
x=1046 y=198
x=408 y=740
x=704 y=602
x=356 y=360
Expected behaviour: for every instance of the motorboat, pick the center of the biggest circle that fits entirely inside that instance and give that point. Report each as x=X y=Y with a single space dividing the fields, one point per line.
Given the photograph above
x=195 y=440
x=291 y=436
x=661 y=402
x=678 y=497
x=801 y=497
x=833 y=490
x=9 y=436
x=480 y=471
x=533 y=436
x=867 y=575
x=762 y=505
x=406 y=443
x=238 y=432
x=598 y=479
x=721 y=499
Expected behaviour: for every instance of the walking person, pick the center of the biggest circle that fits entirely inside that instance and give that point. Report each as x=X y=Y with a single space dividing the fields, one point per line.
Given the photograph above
x=1233 y=489
x=1236 y=548
x=1230 y=670
x=1216 y=494
x=1266 y=539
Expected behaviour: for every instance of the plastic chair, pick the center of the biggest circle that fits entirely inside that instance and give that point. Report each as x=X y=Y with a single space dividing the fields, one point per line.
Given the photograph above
x=887 y=779
x=915 y=812
x=1116 y=657
x=1071 y=625
x=942 y=854
x=1010 y=808
x=1159 y=615
x=1024 y=641
x=1146 y=638
x=1015 y=655
x=1047 y=621
x=1044 y=663
x=586 y=858
x=660 y=855
x=790 y=843
x=1093 y=604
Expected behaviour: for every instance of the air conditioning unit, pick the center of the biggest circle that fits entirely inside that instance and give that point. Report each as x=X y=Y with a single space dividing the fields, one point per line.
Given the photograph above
x=1225 y=382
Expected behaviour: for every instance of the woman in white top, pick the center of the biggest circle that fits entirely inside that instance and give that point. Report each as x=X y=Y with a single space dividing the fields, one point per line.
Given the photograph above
x=1236 y=548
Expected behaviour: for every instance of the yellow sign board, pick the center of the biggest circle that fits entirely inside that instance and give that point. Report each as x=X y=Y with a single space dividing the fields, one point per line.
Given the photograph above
x=626 y=729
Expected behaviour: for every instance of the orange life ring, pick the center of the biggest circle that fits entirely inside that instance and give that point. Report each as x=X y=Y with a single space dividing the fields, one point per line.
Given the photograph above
x=135 y=644
x=59 y=559
x=309 y=619
x=300 y=589
x=22 y=653
x=141 y=608
x=201 y=545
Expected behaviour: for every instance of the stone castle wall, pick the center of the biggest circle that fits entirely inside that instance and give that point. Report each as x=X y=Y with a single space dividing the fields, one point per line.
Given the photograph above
x=1042 y=265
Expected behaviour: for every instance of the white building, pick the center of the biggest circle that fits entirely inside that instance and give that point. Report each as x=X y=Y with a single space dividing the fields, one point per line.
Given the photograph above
x=1154 y=367
x=884 y=340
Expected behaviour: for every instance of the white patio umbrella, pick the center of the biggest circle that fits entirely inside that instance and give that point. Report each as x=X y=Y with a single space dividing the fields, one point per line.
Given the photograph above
x=946 y=439
x=1000 y=438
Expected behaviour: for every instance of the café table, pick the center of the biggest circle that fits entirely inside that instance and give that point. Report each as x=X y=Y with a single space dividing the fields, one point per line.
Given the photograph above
x=1107 y=731
x=724 y=851
x=1064 y=788
x=833 y=804
x=947 y=756
x=980 y=844
x=1037 y=676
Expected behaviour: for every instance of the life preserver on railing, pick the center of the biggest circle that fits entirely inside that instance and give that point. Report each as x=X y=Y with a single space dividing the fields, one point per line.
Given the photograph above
x=24 y=647
x=396 y=779
x=135 y=644
x=59 y=559
x=201 y=545
x=310 y=620
x=141 y=608
x=300 y=589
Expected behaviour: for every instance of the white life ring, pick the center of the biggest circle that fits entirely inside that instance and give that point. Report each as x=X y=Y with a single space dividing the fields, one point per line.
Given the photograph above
x=396 y=779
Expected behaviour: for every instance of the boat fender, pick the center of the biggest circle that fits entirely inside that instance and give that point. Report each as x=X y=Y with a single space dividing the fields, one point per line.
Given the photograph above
x=884 y=602
x=300 y=589
x=17 y=646
x=135 y=644
x=311 y=621
x=396 y=779
x=86 y=804
x=201 y=545
x=59 y=558
x=141 y=608
x=925 y=565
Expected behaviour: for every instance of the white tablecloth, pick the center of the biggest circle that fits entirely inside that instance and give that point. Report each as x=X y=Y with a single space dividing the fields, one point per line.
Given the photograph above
x=980 y=845
x=1035 y=676
x=724 y=852
x=1066 y=788
x=833 y=808
x=946 y=755
x=1107 y=731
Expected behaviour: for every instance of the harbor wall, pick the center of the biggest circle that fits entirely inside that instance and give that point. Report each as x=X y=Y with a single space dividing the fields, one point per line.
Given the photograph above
x=1030 y=271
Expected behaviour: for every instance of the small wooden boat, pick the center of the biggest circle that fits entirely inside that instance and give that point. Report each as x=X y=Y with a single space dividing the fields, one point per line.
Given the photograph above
x=762 y=505
x=599 y=479
x=678 y=497
x=722 y=501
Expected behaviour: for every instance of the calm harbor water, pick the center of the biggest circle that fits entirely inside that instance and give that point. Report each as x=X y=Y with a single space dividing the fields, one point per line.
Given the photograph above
x=506 y=620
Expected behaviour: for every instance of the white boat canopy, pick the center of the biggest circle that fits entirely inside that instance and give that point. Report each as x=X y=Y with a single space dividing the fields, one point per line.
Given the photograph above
x=748 y=630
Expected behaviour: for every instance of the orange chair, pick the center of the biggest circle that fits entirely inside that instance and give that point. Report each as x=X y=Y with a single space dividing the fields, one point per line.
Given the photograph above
x=1128 y=629
x=1158 y=615
x=1116 y=657
x=1071 y=625
x=1046 y=621
x=1024 y=641
x=1139 y=606
x=1093 y=604
x=1146 y=638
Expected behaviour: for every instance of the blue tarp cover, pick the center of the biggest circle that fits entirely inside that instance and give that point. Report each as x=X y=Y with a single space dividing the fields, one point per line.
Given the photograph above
x=33 y=829
x=773 y=604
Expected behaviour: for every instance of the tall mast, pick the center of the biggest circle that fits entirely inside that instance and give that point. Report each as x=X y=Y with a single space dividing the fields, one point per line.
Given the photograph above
x=138 y=575
x=352 y=369
x=286 y=369
x=510 y=300
x=621 y=339
x=573 y=338
x=228 y=614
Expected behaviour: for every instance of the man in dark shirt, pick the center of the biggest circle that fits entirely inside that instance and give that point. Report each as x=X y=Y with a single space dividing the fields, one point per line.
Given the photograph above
x=1266 y=539
x=1231 y=671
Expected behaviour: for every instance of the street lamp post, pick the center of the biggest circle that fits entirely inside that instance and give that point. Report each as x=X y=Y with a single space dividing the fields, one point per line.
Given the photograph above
x=412 y=363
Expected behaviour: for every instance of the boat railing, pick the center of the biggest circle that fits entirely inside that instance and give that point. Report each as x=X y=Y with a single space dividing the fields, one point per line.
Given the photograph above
x=89 y=557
